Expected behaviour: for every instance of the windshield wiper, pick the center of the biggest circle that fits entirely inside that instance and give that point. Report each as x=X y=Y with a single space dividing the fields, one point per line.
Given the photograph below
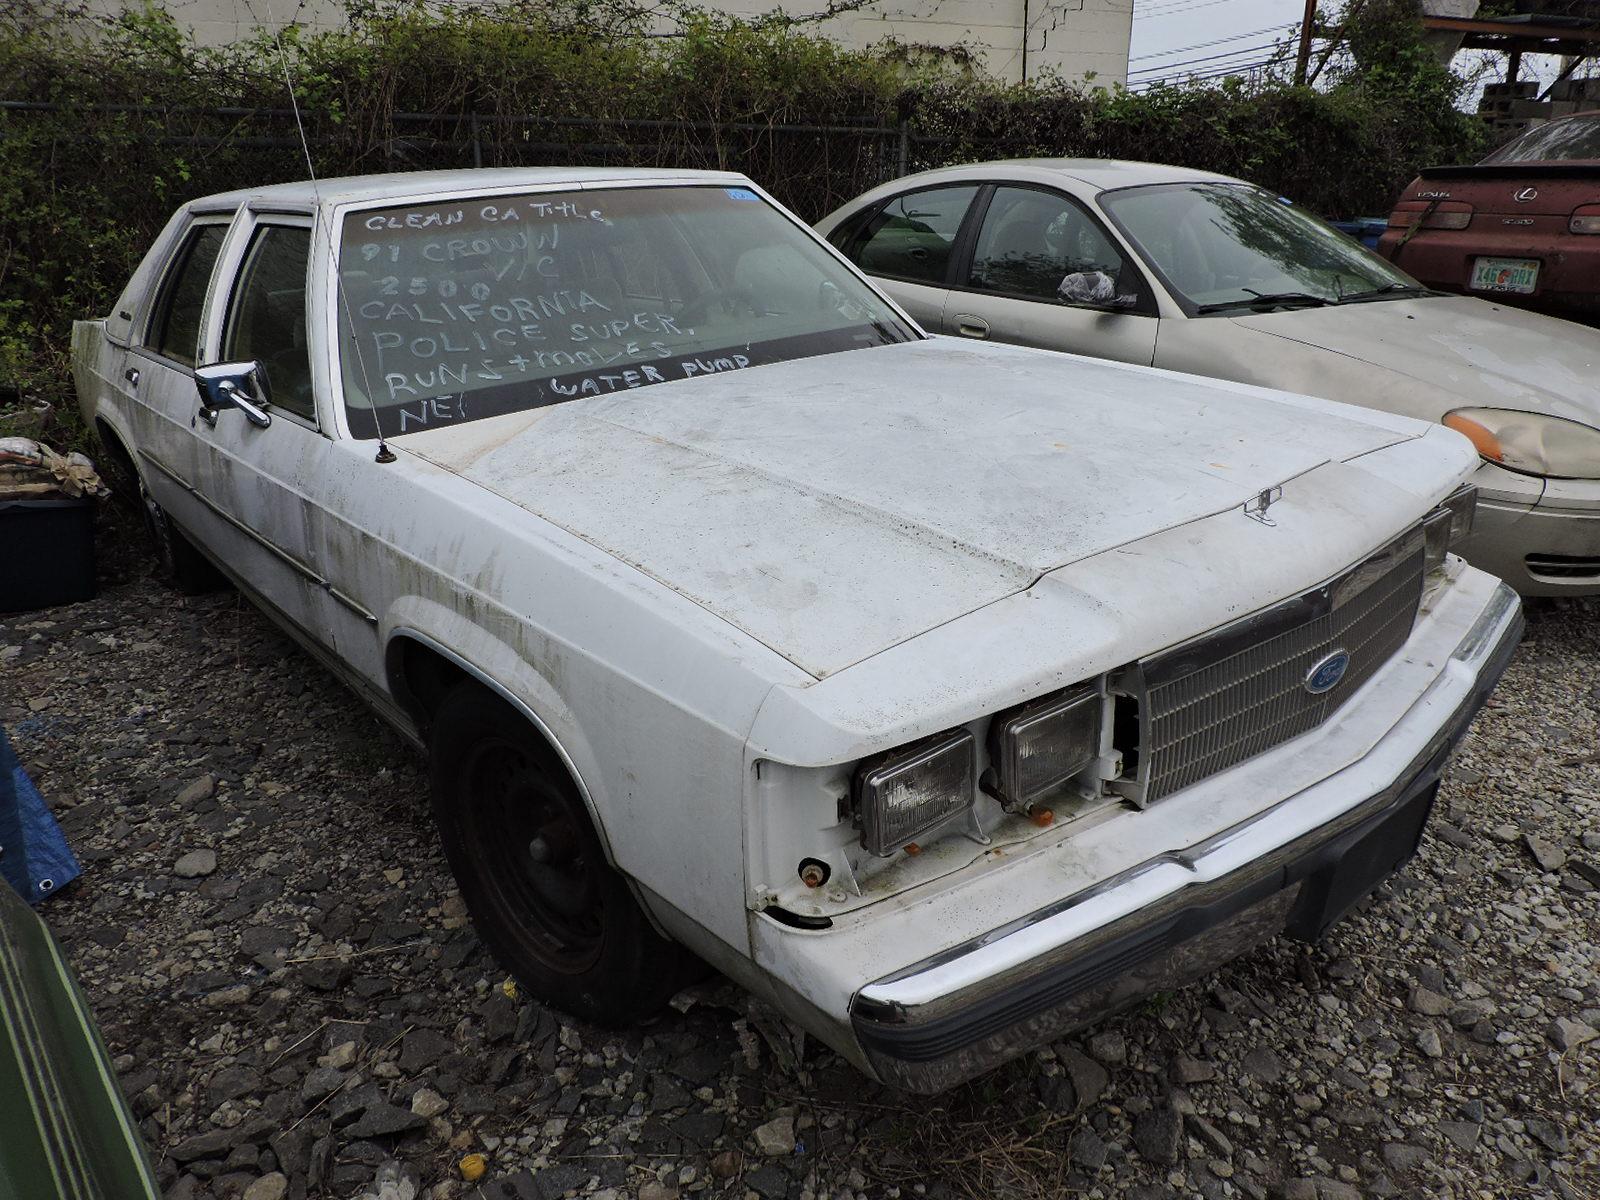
x=1386 y=291
x=1269 y=300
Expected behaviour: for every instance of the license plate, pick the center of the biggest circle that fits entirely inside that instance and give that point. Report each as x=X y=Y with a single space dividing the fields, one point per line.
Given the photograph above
x=1505 y=274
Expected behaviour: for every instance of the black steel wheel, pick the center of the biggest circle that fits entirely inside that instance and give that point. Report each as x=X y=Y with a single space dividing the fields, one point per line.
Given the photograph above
x=178 y=562
x=532 y=870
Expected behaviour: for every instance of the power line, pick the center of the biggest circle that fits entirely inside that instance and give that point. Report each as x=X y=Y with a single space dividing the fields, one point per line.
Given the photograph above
x=1204 y=45
x=1181 y=6
x=1256 y=49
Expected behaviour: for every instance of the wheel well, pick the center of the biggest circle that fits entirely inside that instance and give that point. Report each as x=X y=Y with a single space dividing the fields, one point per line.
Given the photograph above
x=419 y=678
x=113 y=444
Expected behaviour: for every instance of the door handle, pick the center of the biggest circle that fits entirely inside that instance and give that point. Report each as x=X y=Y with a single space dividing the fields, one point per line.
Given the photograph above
x=972 y=327
x=132 y=376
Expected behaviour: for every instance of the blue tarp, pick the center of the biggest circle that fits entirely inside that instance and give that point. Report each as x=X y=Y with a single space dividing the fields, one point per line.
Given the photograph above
x=34 y=856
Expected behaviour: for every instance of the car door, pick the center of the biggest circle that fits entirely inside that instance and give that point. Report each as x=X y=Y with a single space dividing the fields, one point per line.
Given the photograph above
x=260 y=485
x=908 y=243
x=156 y=374
x=1043 y=272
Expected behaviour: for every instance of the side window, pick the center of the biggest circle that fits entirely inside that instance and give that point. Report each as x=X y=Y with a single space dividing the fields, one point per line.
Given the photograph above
x=267 y=315
x=911 y=236
x=174 y=330
x=1043 y=246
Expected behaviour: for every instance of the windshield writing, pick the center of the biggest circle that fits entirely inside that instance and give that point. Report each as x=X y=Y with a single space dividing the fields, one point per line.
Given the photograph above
x=458 y=311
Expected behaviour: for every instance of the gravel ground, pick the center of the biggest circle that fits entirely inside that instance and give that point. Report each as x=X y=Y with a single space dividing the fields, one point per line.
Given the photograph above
x=297 y=1006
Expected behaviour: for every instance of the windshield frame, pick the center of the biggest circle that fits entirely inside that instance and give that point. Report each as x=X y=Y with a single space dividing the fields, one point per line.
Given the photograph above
x=328 y=248
x=1179 y=298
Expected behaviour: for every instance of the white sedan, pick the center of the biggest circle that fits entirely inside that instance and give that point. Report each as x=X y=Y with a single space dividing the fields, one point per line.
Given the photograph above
x=1199 y=272
x=947 y=696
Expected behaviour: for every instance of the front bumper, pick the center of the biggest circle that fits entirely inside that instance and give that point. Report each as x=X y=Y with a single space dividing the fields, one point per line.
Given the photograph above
x=931 y=986
x=1540 y=549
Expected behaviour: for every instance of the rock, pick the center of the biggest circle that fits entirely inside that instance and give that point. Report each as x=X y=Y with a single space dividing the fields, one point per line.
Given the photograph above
x=272 y=1186
x=228 y=997
x=1186 y=1070
x=197 y=790
x=1213 y=1137
x=1088 y=1078
x=230 y=1083
x=379 y=1120
x=1461 y=1134
x=776 y=1137
x=1109 y=1047
x=1428 y=1042
x=195 y=864
x=1087 y=1151
x=1547 y=854
x=422 y=1048
x=1428 y=1003
x=1263 y=1065
x=210 y=1144
x=1398 y=1156
x=340 y=1057
x=1158 y=1134
x=1333 y=1189
x=428 y=1104
x=1565 y=1034
x=1300 y=1189
x=320 y=1083
x=725 y=1165
x=1548 y=1134
x=769 y=1183
x=654 y=1190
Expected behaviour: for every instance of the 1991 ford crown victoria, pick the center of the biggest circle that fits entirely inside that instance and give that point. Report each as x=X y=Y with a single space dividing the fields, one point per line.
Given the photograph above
x=947 y=696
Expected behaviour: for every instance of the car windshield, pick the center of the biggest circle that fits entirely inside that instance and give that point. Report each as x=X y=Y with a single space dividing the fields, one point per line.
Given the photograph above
x=1578 y=138
x=1224 y=246
x=454 y=311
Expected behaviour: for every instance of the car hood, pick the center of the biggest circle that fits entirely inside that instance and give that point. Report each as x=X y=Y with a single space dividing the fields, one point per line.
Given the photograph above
x=833 y=507
x=1466 y=350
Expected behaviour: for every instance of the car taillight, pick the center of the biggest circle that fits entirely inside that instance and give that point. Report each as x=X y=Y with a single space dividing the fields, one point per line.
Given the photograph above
x=1585 y=219
x=1447 y=214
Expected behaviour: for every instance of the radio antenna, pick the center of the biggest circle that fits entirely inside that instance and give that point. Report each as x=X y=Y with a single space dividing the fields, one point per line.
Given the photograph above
x=384 y=455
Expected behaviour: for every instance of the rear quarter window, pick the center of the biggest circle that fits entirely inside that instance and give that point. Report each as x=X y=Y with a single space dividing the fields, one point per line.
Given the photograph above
x=174 y=328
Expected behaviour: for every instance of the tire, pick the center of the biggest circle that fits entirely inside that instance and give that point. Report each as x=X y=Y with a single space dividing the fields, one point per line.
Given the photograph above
x=179 y=564
x=532 y=871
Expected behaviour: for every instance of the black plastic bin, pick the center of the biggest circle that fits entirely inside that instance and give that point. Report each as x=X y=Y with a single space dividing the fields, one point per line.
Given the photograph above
x=46 y=552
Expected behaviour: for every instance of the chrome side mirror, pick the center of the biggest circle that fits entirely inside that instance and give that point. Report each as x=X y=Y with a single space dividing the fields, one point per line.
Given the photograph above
x=241 y=385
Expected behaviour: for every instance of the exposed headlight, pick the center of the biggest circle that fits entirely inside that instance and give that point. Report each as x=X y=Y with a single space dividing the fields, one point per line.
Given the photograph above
x=903 y=794
x=1449 y=524
x=1531 y=443
x=1038 y=747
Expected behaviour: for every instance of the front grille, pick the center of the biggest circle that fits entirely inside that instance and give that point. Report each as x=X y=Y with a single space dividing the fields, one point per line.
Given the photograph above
x=1242 y=689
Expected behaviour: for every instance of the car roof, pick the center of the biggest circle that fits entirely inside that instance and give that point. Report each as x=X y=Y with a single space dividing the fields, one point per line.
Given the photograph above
x=403 y=185
x=1099 y=174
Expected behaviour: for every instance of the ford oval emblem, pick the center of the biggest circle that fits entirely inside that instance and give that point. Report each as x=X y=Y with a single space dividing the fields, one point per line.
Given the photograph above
x=1324 y=676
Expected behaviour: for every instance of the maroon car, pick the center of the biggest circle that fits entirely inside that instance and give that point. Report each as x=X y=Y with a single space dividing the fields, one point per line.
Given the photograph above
x=1523 y=224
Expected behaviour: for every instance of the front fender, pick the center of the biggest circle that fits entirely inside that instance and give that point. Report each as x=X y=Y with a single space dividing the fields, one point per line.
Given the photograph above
x=503 y=670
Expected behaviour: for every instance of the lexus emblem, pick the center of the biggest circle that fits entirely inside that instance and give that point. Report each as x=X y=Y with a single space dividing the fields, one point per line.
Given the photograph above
x=1326 y=673
x=1525 y=195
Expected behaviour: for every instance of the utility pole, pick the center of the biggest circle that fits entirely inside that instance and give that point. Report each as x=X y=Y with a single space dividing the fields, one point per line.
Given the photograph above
x=1303 y=58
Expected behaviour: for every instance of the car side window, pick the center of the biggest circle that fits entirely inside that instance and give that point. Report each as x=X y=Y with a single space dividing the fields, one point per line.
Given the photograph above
x=1042 y=246
x=267 y=315
x=174 y=329
x=911 y=237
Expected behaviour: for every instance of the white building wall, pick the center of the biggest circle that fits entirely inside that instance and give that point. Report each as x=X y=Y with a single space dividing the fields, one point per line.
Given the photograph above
x=1078 y=40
